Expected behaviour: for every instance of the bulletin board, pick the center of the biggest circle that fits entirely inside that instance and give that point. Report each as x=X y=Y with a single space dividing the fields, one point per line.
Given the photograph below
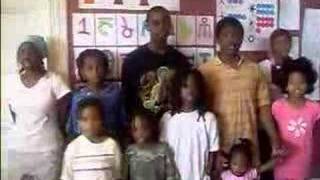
x=118 y=26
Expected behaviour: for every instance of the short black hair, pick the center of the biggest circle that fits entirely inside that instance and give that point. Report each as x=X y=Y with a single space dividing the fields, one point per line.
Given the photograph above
x=92 y=53
x=303 y=66
x=90 y=102
x=228 y=21
x=157 y=9
x=151 y=121
x=244 y=146
x=278 y=33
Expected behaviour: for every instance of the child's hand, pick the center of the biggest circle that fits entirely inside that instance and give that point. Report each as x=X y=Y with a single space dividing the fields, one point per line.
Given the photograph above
x=279 y=152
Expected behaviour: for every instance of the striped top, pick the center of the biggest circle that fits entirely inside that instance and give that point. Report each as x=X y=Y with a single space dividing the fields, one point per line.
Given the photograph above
x=86 y=160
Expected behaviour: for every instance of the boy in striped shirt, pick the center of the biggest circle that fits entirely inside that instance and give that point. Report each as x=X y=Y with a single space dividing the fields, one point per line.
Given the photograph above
x=93 y=154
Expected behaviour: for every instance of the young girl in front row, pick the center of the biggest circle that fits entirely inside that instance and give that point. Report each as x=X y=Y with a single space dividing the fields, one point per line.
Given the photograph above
x=296 y=116
x=148 y=159
x=190 y=129
x=241 y=163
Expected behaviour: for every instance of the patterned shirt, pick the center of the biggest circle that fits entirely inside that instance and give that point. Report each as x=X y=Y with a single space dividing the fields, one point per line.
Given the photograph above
x=152 y=162
x=235 y=95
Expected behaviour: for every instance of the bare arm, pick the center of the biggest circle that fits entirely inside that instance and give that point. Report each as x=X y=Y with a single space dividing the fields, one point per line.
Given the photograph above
x=269 y=126
x=63 y=105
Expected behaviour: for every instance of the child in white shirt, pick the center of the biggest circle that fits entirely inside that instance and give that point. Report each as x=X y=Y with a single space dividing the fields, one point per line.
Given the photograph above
x=93 y=154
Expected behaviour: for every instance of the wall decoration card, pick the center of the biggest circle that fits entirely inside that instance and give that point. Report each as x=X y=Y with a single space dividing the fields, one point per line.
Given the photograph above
x=289 y=14
x=204 y=55
x=205 y=30
x=295 y=47
x=143 y=32
x=122 y=53
x=259 y=19
x=172 y=39
x=190 y=52
x=105 y=25
x=310 y=43
x=186 y=30
x=127 y=29
x=83 y=29
x=172 y=5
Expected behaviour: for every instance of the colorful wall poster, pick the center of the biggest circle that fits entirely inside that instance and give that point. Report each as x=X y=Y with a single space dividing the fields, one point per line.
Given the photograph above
x=83 y=29
x=186 y=30
x=127 y=29
x=205 y=30
x=105 y=28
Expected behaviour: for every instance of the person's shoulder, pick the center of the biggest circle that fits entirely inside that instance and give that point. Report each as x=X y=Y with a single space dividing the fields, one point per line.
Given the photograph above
x=74 y=144
x=138 y=52
x=208 y=65
x=226 y=174
x=109 y=141
x=279 y=103
x=313 y=105
x=167 y=115
x=210 y=115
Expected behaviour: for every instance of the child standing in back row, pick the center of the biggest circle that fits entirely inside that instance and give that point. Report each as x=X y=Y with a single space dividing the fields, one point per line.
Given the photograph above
x=190 y=129
x=93 y=154
x=93 y=68
x=296 y=116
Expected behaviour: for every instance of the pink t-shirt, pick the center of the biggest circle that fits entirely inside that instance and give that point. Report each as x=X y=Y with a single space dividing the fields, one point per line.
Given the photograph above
x=296 y=130
x=250 y=175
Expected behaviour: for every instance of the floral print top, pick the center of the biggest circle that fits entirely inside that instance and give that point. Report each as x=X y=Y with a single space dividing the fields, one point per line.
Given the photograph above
x=296 y=127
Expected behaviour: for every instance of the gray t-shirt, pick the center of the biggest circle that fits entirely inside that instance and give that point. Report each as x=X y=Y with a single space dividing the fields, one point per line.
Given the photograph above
x=151 y=162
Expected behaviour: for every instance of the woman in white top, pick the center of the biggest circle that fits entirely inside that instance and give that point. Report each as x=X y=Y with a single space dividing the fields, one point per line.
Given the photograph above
x=189 y=129
x=34 y=149
x=280 y=45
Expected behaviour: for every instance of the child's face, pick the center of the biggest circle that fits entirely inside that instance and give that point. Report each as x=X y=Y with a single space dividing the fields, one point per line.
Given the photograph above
x=93 y=70
x=140 y=131
x=90 y=122
x=239 y=164
x=28 y=58
x=281 y=45
x=159 y=25
x=230 y=40
x=297 y=85
x=189 y=90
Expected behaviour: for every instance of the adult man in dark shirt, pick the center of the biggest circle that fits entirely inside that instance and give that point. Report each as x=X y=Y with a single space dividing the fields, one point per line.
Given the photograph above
x=140 y=69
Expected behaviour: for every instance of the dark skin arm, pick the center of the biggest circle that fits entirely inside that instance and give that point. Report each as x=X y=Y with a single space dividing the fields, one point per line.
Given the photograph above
x=269 y=126
x=211 y=163
x=63 y=106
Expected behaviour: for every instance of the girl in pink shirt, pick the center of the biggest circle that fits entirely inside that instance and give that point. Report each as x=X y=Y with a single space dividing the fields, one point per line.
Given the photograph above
x=296 y=117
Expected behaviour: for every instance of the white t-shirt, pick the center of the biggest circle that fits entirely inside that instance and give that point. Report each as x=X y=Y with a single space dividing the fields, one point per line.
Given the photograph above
x=191 y=138
x=35 y=127
x=85 y=160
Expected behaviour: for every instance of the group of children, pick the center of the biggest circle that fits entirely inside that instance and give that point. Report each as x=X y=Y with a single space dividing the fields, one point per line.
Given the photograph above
x=193 y=139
